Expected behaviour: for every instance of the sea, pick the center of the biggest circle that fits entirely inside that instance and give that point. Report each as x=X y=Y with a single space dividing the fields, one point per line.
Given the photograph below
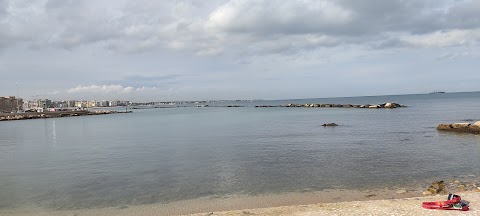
x=185 y=153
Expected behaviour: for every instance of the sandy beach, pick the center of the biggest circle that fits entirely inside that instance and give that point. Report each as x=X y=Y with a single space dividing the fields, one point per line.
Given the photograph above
x=382 y=203
x=406 y=206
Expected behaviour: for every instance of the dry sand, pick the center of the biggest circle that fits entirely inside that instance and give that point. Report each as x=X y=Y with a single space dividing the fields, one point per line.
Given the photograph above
x=290 y=204
x=406 y=206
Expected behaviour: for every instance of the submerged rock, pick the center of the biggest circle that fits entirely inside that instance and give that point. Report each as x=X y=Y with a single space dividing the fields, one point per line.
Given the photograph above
x=330 y=125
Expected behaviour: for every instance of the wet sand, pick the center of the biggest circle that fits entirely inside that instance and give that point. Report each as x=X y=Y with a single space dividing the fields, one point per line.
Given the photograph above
x=337 y=202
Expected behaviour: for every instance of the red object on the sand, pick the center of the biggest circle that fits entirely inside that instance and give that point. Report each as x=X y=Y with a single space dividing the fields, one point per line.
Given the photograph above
x=445 y=205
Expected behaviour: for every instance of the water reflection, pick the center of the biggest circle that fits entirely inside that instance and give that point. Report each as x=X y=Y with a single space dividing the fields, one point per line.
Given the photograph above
x=54 y=133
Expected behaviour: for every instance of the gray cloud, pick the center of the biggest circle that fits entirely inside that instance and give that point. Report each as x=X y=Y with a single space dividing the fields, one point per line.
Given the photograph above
x=207 y=29
x=161 y=41
x=139 y=81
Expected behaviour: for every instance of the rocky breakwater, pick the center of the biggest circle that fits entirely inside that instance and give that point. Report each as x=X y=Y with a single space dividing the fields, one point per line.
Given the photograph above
x=463 y=127
x=312 y=105
x=57 y=114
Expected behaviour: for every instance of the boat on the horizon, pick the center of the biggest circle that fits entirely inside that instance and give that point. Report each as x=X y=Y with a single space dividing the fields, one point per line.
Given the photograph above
x=437 y=92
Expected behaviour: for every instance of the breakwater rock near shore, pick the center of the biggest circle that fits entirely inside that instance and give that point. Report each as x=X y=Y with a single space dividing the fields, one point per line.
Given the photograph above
x=461 y=127
x=57 y=114
x=372 y=106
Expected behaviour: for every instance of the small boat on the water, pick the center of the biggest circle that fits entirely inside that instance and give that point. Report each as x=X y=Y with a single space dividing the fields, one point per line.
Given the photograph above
x=437 y=92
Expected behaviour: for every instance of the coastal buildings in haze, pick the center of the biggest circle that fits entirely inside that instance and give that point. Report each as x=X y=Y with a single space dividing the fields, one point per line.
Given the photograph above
x=10 y=104
x=73 y=104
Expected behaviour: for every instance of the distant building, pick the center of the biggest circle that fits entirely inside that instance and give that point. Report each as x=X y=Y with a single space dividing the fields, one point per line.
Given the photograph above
x=119 y=103
x=33 y=105
x=59 y=104
x=44 y=103
x=91 y=104
x=39 y=103
x=71 y=103
x=80 y=104
x=10 y=104
x=103 y=103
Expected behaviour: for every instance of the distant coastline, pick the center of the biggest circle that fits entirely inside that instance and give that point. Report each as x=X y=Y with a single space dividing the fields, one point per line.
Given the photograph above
x=437 y=92
x=56 y=114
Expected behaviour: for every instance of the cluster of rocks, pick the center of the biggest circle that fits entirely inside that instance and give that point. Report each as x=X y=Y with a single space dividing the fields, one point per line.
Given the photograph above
x=437 y=187
x=461 y=127
x=34 y=115
x=375 y=106
x=453 y=186
x=230 y=106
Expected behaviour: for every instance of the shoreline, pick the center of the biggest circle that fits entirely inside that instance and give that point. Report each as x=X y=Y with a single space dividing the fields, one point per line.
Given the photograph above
x=401 y=206
x=335 y=201
x=56 y=114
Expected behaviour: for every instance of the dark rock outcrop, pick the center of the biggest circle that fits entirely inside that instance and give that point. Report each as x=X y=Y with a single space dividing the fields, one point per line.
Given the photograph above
x=330 y=125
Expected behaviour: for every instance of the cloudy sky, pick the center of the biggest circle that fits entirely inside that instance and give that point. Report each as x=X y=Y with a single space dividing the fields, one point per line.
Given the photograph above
x=238 y=49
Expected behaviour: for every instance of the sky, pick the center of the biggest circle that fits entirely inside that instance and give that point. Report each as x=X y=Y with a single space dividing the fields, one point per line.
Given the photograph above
x=236 y=49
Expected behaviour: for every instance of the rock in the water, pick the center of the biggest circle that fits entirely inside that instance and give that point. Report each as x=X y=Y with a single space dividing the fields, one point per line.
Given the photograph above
x=460 y=125
x=476 y=124
x=390 y=105
x=436 y=188
x=444 y=127
x=330 y=125
x=374 y=106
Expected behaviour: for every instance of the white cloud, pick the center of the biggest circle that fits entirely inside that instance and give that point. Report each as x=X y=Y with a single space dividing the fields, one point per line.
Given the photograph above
x=209 y=52
x=104 y=89
x=111 y=91
x=456 y=55
x=275 y=16
x=444 y=38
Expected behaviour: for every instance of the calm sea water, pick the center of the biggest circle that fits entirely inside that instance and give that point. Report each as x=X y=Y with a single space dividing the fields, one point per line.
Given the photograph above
x=164 y=155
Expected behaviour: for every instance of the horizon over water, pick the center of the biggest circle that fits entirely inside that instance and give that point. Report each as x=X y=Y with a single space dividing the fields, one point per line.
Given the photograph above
x=337 y=97
x=168 y=155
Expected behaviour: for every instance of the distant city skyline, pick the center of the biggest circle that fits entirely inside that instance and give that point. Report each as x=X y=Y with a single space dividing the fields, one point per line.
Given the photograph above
x=239 y=49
